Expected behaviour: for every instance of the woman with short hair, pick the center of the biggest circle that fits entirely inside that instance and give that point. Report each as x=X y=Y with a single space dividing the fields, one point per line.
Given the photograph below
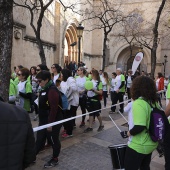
x=24 y=90
x=49 y=112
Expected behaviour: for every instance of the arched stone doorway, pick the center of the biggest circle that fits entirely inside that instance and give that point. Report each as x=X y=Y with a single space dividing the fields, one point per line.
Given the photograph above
x=126 y=57
x=71 y=44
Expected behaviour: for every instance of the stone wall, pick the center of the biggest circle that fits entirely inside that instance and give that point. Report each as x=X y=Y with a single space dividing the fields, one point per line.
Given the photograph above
x=54 y=28
x=25 y=49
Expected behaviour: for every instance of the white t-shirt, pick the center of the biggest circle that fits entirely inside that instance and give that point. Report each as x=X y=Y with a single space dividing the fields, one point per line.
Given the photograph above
x=64 y=87
x=91 y=93
x=129 y=82
x=20 y=99
x=128 y=109
x=55 y=78
x=34 y=83
x=104 y=84
x=80 y=81
x=118 y=82
x=157 y=83
x=166 y=83
x=112 y=85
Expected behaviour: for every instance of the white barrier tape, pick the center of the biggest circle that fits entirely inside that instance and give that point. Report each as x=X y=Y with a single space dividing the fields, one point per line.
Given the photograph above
x=66 y=120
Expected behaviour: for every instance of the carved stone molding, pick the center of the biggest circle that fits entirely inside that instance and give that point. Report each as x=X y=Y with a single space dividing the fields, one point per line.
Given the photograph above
x=32 y=39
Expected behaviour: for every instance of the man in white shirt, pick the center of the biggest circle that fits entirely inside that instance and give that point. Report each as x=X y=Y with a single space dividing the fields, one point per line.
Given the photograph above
x=119 y=90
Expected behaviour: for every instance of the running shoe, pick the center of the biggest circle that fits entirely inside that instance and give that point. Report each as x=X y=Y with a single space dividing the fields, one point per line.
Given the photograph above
x=88 y=130
x=100 y=128
x=82 y=124
x=66 y=135
x=63 y=132
x=51 y=163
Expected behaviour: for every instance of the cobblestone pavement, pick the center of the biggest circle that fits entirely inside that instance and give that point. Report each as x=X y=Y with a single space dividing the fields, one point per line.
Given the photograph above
x=89 y=151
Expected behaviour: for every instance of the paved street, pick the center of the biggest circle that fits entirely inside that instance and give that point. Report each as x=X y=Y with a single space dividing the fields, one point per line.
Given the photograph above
x=89 y=151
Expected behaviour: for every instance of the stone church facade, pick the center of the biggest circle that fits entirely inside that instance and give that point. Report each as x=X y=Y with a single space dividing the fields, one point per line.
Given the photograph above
x=60 y=39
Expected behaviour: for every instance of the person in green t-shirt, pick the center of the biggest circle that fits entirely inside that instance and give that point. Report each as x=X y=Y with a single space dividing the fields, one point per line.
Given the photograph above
x=24 y=90
x=167 y=137
x=119 y=91
x=12 y=92
x=93 y=101
x=140 y=145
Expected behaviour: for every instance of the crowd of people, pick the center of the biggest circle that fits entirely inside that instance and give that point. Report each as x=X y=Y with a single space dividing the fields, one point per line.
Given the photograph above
x=40 y=89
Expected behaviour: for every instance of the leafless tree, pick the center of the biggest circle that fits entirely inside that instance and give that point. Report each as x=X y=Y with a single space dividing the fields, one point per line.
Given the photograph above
x=6 y=33
x=148 y=37
x=37 y=9
x=104 y=16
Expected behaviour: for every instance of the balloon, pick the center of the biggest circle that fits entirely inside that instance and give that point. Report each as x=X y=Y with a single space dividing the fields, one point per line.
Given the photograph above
x=88 y=85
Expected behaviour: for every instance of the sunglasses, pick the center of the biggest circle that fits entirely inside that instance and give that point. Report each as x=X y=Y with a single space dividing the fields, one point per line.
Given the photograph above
x=37 y=69
x=19 y=74
x=39 y=81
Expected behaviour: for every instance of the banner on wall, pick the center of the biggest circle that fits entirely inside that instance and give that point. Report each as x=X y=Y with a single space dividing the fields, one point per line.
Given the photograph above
x=137 y=60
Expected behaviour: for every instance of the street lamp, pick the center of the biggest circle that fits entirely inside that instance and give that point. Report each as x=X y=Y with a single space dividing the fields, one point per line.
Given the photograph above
x=80 y=29
x=165 y=61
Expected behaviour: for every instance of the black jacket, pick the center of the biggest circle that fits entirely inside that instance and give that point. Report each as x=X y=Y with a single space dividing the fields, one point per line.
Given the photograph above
x=49 y=99
x=17 y=143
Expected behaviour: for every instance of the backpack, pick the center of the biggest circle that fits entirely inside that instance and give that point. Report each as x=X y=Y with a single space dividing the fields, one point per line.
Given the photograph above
x=64 y=101
x=158 y=124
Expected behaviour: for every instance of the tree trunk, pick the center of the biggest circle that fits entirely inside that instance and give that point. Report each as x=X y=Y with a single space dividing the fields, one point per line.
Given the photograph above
x=153 y=62
x=6 y=34
x=104 y=52
x=155 y=39
x=41 y=51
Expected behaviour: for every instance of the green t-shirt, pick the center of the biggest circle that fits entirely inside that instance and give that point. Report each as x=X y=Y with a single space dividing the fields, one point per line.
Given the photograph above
x=16 y=81
x=96 y=86
x=29 y=79
x=14 y=75
x=28 y=89
x=118 y=80
x=12 y=88
x=100 y=86
x=141 y=143
x=168 y=92
x=122 y=79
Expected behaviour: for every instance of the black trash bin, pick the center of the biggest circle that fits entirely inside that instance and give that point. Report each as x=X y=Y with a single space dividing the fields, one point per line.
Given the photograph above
x=118 y=155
